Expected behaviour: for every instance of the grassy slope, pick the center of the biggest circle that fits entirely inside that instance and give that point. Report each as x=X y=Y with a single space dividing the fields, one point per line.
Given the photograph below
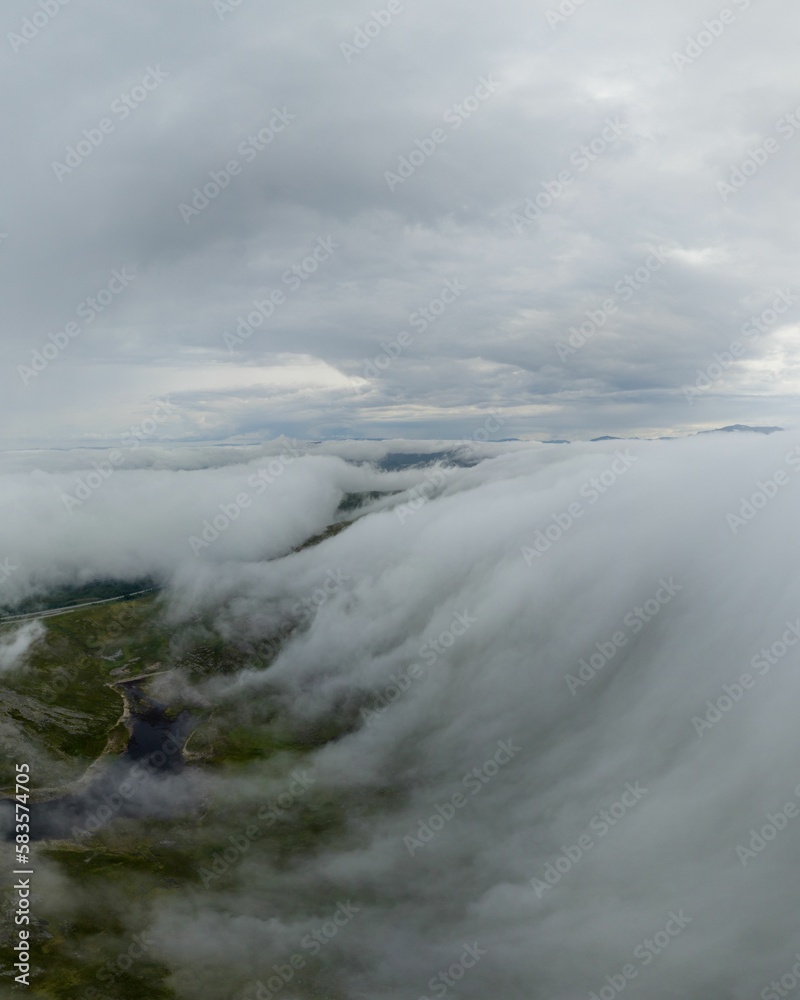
x=58 y=714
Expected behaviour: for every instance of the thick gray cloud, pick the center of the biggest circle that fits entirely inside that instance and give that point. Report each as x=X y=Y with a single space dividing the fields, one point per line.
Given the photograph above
x=659 y=135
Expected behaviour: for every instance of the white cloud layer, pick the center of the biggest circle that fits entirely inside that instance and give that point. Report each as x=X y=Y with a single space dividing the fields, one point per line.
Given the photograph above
x=668 y=567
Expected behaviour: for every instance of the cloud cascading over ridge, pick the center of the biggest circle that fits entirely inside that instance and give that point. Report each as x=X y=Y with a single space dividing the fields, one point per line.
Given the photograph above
x=563 y=680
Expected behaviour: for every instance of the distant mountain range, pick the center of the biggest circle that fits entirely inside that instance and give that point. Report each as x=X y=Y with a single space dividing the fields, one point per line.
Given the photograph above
x=396 y=461
x=714 y=430
x=744 y=427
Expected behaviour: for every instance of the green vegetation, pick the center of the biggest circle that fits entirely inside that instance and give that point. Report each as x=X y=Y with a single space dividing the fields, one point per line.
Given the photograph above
x=62 y=711
x=97 y=590
x=99 y=938
x=60 y=704
x=329 y=532
x=353 y=501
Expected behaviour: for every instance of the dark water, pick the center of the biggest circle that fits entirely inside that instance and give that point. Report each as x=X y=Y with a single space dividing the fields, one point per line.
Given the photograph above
x=145 y=780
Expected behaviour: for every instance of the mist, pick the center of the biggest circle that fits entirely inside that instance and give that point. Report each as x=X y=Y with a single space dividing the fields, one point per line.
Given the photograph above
x=15 y=645
x=560 y=687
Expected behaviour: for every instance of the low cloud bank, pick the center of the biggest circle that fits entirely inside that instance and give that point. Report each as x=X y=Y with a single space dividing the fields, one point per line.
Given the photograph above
x=564 y=682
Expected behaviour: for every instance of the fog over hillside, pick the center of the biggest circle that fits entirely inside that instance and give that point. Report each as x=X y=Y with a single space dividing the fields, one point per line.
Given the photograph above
x=399 y=468
x=563 y=684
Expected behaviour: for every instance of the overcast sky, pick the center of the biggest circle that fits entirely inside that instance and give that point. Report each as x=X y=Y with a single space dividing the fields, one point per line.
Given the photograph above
x=118 y=115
